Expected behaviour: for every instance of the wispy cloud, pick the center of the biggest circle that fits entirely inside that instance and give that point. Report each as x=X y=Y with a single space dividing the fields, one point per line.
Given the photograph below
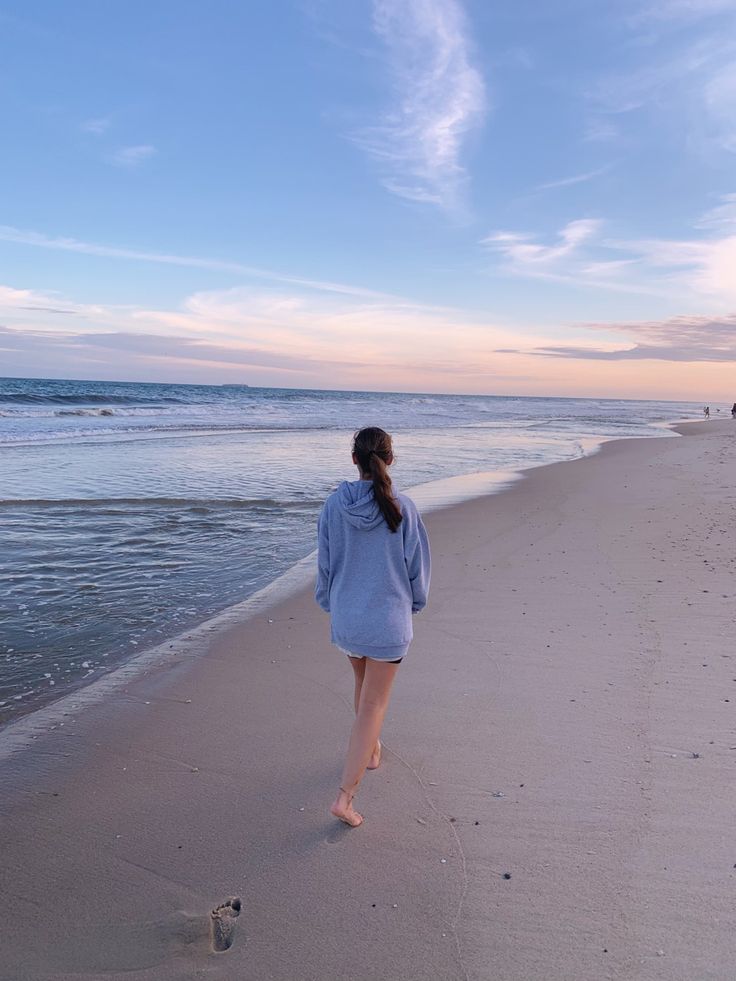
x=660 y=81
x=672 y=11
x=720 y=102
x=132 y=156
x=575 y=179
x=577 y=258
x=438 y=98
x=682 y=339
x=522 y=252
x=676 y=78
x=314 y=340
x=688 y=80
x=704 y=266
x=600 y=129
x=722 y=216
x=297 y=338
x=24 y=237
x=97 y=126
x=688 y=269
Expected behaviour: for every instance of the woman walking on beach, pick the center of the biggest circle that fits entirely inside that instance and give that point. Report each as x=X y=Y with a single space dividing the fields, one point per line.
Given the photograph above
x=373 y=574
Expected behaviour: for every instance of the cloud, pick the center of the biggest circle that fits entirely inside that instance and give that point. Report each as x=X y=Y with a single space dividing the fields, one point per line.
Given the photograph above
x=371 y=333
x=575 y=179
x=112 y=354
x=578 y=258
x=688 y=80
x=438 y=98
x=132 y=156
x=328 y=341
x=32 y=307
x=525 y=255
x=192 y=348
x=601 y=130
x=686 y=269
x=665 y=78
x=722 y=216
x=685 y=84
x=8 y=233
x=670 y=11
x=68 y=349
x=97 y=126
x=702 y=266
x=681 y=339
x=302 y=339
x=720 y=102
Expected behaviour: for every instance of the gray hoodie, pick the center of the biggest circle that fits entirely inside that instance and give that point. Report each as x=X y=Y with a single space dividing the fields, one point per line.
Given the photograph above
x=370 y=579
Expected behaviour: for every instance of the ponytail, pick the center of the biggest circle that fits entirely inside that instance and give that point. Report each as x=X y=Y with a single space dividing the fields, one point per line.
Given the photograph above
x=383 y=492
x=374 y=454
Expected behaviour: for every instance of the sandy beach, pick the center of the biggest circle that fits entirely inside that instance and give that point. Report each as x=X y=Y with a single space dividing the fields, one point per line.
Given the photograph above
x=556 y=798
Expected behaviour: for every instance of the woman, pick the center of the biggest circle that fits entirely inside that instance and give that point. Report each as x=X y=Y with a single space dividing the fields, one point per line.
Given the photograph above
x=373 y=574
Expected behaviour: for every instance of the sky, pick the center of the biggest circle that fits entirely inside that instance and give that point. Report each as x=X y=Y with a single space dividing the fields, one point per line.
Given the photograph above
x=418 y=195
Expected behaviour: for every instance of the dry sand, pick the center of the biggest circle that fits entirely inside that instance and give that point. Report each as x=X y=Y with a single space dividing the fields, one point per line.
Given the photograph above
x=566 y=715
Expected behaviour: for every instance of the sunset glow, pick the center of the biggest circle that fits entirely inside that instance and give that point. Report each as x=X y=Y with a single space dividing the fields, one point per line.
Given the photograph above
x=415 y=195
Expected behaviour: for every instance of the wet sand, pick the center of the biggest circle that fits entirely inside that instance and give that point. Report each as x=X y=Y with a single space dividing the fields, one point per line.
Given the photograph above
x=556 y=798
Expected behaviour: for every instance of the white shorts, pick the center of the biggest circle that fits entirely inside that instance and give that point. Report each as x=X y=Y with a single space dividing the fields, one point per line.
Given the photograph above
x=351 y=654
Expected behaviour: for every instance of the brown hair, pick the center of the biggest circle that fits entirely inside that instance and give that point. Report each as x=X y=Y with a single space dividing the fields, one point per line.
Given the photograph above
x=374 y=455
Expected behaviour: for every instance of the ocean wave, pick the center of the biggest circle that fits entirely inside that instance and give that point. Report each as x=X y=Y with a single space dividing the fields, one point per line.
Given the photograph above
x=84 y=412
x=188 y=503
x=153 y=430
x=83 y=398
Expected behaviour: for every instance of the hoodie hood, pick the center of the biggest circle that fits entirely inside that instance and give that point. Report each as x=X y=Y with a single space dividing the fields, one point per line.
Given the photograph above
x=358 y=503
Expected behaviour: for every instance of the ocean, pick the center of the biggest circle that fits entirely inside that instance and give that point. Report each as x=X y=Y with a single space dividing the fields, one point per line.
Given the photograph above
x=130 y=512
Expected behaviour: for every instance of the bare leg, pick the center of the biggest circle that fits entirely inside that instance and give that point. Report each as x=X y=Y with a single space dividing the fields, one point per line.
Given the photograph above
x=374 y=695
x=358 y=666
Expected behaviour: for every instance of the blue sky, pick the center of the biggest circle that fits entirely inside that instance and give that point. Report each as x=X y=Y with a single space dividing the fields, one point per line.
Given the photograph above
x=409 y=194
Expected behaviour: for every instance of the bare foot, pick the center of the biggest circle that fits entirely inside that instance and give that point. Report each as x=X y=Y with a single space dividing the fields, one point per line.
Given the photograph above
x=343 y=809
x=222 y=923
x=375 y=760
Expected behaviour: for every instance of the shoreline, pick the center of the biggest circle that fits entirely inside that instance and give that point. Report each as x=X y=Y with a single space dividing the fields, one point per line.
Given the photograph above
x=446 y=492
x=564 y=718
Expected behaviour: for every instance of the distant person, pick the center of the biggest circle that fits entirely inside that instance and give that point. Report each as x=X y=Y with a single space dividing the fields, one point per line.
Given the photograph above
x=733 y=411
x=706 y=411
x=373 y=574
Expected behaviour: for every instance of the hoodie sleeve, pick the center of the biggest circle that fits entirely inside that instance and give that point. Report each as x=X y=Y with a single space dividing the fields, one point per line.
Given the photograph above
x=322 y=589
x=416 y=554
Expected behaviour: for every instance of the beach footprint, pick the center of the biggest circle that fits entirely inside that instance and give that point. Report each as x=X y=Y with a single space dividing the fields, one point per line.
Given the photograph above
x=222 y=923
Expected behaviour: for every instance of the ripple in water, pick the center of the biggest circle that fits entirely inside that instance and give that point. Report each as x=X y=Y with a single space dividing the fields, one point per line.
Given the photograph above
x=114 y=541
